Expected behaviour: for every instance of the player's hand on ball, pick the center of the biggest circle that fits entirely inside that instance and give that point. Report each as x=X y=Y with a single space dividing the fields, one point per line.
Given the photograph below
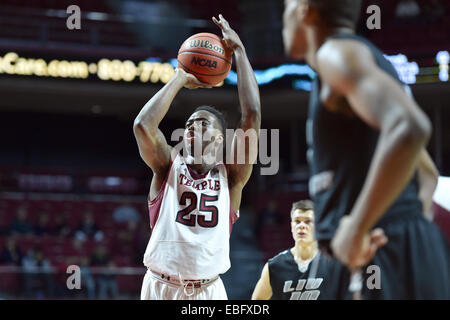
x=230 y=37
x=191 y=82
x=353 y=249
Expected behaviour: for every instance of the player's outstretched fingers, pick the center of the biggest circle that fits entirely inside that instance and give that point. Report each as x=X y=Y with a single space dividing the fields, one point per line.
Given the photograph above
x=378 y=237
x=225 y=28
x=216 y=22
x=224 y=21
x=377 y=240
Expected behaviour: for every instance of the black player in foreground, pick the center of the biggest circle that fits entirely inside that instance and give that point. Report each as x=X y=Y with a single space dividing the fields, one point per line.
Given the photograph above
x=301 y=272
x=365 y=136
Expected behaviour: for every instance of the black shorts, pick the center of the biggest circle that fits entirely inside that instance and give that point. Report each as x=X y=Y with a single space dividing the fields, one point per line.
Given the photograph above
x=414 y=264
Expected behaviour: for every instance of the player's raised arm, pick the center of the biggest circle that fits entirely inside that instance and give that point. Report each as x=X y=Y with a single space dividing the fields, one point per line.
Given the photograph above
x=250 y=113
x=348 y=67
x=263 y=289
x=152 y=144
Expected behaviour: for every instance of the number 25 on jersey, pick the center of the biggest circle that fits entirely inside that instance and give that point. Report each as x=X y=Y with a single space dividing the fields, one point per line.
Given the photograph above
x=203 y=208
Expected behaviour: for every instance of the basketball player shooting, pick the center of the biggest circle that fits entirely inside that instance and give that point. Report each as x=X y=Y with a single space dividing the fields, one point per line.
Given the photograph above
x=194 y=201
x=365 y=136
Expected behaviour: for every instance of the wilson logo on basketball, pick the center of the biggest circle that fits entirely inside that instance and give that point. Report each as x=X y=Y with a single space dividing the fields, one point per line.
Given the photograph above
x=204 y=62
x=206 y=44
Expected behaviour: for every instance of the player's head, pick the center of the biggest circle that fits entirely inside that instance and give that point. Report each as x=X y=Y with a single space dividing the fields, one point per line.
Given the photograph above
x=205 y=129
x=302 y=222
x=302 y=15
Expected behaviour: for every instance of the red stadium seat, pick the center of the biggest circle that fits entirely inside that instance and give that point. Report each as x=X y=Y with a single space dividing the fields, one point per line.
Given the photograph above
x=11 y=283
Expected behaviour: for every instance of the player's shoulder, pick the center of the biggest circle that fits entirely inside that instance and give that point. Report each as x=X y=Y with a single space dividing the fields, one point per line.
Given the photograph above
x=281 y=256
x=341 y=62
x=342 y=47
x=343 y=55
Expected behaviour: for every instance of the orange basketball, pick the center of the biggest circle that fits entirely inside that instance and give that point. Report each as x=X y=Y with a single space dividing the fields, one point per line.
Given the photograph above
x=204 y=55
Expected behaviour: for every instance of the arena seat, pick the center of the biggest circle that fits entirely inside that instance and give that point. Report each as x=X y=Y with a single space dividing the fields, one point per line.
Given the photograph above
x=11 y=283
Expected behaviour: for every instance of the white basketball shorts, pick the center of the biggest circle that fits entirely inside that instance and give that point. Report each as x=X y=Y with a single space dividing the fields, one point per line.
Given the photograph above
x=156 y=288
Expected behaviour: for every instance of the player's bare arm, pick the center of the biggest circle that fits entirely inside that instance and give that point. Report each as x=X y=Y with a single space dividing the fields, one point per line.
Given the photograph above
x=249 y=100
x=263 y=289
x=428 y=175
x=152 y=144
x=404 y=130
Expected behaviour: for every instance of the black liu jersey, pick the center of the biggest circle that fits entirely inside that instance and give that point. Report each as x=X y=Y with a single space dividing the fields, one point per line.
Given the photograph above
x=291 y=282
x=341 y=147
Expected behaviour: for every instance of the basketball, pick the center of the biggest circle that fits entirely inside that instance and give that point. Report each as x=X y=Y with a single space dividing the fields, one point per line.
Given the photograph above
x=205 y=56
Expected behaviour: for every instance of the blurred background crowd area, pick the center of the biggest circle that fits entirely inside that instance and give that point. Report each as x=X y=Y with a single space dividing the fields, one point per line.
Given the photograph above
x=73 y=189
x=42 y=236
x=136 y=24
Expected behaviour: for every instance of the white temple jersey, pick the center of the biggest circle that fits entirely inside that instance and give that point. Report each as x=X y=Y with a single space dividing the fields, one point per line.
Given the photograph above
x=191 y=220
